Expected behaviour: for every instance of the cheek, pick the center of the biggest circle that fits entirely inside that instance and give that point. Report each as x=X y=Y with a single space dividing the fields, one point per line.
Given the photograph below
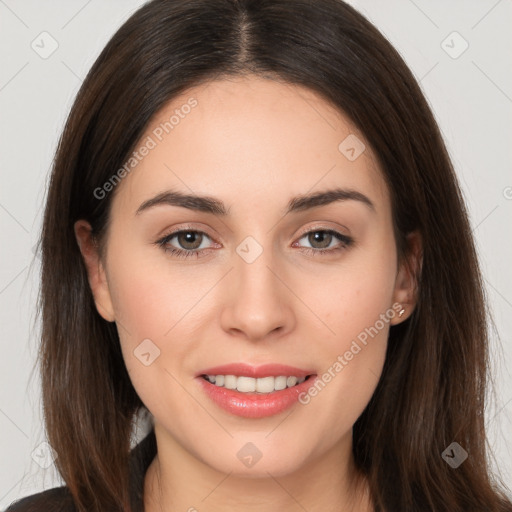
x=351 y=297
x=159 y=308
x=355 y=307
x=151 y=298
x=148 y=308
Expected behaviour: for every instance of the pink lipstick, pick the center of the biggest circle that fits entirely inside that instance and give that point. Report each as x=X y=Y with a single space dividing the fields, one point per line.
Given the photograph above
x=255 y=391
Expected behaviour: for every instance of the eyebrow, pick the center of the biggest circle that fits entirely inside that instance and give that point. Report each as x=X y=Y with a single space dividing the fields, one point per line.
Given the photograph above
x=214 y=206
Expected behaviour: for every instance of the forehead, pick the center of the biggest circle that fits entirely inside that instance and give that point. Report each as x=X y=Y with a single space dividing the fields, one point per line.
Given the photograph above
x=250 y=140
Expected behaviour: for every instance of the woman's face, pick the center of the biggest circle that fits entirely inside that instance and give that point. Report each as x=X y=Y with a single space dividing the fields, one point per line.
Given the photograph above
x=270 y=277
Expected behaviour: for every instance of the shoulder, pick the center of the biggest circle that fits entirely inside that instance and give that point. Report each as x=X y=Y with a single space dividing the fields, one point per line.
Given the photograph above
x=57 y=499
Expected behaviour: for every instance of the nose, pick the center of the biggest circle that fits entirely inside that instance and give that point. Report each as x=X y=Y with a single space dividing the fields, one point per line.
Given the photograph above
x=259 y=302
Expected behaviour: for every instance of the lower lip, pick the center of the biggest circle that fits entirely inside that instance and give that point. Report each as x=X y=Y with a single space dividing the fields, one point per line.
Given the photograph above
x=255 y=405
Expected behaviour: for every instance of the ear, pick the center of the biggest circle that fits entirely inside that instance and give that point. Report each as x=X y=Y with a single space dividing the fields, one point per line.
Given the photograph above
x=407 y=278
x=95 y=270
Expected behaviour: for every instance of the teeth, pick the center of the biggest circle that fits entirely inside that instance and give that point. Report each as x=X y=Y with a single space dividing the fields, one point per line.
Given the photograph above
x=246 y=384
x=280 y=383
x=265 y=384
x=291 y=381
x=229 y=381
x=250 y=385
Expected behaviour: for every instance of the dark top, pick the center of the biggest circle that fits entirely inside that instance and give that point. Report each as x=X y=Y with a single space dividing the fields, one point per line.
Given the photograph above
x=59 y=499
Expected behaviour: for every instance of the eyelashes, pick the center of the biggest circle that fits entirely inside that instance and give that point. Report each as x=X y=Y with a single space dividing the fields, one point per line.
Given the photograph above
x=182 y=253
x=328 y=234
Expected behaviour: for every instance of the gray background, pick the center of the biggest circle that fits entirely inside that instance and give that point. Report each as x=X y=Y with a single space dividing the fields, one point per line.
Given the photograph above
x=470 y=93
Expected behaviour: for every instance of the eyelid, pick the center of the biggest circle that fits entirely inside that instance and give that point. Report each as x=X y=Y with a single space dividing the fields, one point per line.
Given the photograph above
x=186 y=227
x=315 y=227
x=321 y=226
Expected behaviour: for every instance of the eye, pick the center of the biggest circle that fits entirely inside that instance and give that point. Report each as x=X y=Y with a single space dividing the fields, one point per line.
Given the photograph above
x=321 y=241
x=191 y=241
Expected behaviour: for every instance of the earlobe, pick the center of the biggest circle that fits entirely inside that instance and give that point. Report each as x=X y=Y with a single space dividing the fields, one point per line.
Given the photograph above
x=95 y=269
x=406 y=284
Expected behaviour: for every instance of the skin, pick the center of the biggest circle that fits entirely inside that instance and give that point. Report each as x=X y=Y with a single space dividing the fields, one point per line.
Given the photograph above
x=253 y=143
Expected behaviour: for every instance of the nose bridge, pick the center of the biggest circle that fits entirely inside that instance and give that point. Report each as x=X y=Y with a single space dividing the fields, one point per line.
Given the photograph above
x=258 y=302
x=252 y=268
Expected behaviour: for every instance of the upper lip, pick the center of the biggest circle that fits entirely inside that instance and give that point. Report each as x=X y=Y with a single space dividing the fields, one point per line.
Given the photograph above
x=247 y=370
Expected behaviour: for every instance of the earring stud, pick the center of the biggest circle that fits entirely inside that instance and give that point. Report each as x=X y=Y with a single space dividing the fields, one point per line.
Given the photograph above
x=401 y=312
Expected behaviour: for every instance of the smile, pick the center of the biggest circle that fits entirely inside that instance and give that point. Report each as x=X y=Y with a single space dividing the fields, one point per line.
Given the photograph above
x=255 y=391
x=252 y=385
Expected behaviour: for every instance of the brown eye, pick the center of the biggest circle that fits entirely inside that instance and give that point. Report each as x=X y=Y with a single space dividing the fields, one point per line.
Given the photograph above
x=188 y=243
x=321 y=241
x=322 y=238
x=189 y=239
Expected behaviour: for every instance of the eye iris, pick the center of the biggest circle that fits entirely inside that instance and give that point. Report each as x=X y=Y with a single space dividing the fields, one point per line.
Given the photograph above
x=185 y=238
x=320 y=236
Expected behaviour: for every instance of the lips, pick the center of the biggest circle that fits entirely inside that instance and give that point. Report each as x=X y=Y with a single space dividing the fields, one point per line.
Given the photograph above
x=266 y=370
x=255 y=404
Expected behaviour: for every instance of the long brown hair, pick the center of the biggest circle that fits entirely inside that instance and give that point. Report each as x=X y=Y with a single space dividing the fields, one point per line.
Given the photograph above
x=433 y=388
